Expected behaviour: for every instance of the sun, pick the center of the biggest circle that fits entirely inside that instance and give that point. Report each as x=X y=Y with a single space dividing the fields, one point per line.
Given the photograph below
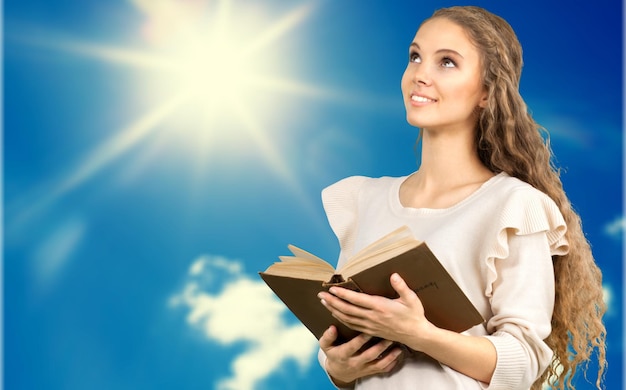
x=211 y=73
x=214 y=59
x=224 y=66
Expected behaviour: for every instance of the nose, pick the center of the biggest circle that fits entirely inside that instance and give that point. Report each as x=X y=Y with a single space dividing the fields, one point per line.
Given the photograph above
x=421 y=75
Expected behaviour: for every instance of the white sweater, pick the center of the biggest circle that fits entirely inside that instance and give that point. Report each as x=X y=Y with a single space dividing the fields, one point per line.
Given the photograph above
x=497 y=244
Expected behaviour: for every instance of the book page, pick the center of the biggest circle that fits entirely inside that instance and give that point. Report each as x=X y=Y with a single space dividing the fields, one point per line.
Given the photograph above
x=295 y=267
x=386 y=240
x=298 y=252
x=390 y=245
x=380 y=256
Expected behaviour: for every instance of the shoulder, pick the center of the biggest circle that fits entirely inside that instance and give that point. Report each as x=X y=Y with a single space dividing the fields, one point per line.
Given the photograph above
x=505 y=182
x=341 y=202
x=359 y=181
x=523 y=209
x=350 y=187
x=513 y=190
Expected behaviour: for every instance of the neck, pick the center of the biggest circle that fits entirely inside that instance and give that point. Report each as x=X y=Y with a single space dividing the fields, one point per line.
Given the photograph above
x=450 y=158
x=449 y=172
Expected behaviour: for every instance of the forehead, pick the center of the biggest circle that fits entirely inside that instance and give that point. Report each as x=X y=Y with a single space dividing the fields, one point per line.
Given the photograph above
x=440 y=33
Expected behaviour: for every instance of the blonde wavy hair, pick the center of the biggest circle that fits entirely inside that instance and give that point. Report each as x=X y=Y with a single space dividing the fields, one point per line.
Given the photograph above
x=509 y=140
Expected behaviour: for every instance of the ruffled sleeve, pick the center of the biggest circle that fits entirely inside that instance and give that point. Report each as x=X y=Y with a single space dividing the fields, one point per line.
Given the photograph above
x=340 y=201
x=529 y=231
x=526 y=211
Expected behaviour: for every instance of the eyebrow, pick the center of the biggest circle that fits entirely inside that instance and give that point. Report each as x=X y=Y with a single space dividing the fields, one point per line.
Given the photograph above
x=415 y=45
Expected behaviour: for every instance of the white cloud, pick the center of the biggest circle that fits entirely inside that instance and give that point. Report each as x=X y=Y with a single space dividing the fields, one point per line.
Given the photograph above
x=615 y=228
x=233 y=268
x=243 y=310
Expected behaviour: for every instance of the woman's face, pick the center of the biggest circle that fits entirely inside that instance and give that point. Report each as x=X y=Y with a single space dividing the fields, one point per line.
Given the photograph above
x=442 y=84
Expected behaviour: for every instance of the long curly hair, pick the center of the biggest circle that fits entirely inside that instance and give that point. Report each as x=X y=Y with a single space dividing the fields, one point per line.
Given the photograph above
x=508 y=139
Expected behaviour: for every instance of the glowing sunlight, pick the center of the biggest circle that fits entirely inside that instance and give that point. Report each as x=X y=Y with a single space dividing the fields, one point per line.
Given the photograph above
x=209 y=76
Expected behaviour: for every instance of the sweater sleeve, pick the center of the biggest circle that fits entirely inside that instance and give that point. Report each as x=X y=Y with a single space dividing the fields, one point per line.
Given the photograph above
x=521 y=287
x=340 y=201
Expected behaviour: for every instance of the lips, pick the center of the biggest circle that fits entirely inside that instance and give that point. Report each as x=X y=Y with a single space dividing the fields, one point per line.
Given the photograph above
x=422 y=99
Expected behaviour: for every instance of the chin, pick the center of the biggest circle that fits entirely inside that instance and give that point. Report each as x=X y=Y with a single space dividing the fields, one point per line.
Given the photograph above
x=416 y=122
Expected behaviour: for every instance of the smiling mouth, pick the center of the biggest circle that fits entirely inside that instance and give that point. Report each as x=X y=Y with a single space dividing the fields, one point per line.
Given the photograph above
x=422 y=99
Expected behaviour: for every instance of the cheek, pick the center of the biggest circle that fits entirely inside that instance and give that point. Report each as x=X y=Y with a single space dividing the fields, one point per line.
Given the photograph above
x=405 y=82
x=470 y=92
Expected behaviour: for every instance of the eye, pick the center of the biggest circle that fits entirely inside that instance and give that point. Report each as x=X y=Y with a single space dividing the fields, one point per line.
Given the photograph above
x=447 y=62
x=414 y=57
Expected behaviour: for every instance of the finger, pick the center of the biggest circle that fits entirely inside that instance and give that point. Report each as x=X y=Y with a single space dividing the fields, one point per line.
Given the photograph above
x=355 y=298
x=377 y=351
x=388 y=359
x=356 y=344
x=403 y=290
x=339 y=306
x=328 y=338
x=388 y=363
x=354 y=320
x=331 y=301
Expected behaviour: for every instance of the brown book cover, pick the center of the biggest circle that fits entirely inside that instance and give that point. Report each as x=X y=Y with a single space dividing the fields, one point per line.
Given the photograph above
x=297 y=280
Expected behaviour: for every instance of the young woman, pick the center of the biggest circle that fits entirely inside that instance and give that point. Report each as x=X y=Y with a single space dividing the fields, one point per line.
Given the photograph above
x=489 y=203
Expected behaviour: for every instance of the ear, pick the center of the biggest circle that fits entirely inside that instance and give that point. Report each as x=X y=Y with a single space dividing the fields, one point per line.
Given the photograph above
x=484 y=99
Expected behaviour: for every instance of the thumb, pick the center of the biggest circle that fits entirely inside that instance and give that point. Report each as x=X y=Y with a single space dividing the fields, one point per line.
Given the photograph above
x=328 y=338
x=401 y=287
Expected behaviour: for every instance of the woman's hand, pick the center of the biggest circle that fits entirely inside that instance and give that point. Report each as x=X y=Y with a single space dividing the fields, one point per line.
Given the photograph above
x=401 y=319
x=349 y=361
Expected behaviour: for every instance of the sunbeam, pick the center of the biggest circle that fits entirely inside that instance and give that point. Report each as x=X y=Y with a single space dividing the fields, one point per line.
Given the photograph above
x=102 y=156
x=214 y=80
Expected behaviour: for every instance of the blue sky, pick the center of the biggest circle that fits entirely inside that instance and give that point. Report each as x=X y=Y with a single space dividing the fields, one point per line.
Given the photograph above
x=158 y=154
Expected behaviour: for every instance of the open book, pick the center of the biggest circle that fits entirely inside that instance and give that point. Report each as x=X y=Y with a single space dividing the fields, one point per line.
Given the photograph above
x=297 y=280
